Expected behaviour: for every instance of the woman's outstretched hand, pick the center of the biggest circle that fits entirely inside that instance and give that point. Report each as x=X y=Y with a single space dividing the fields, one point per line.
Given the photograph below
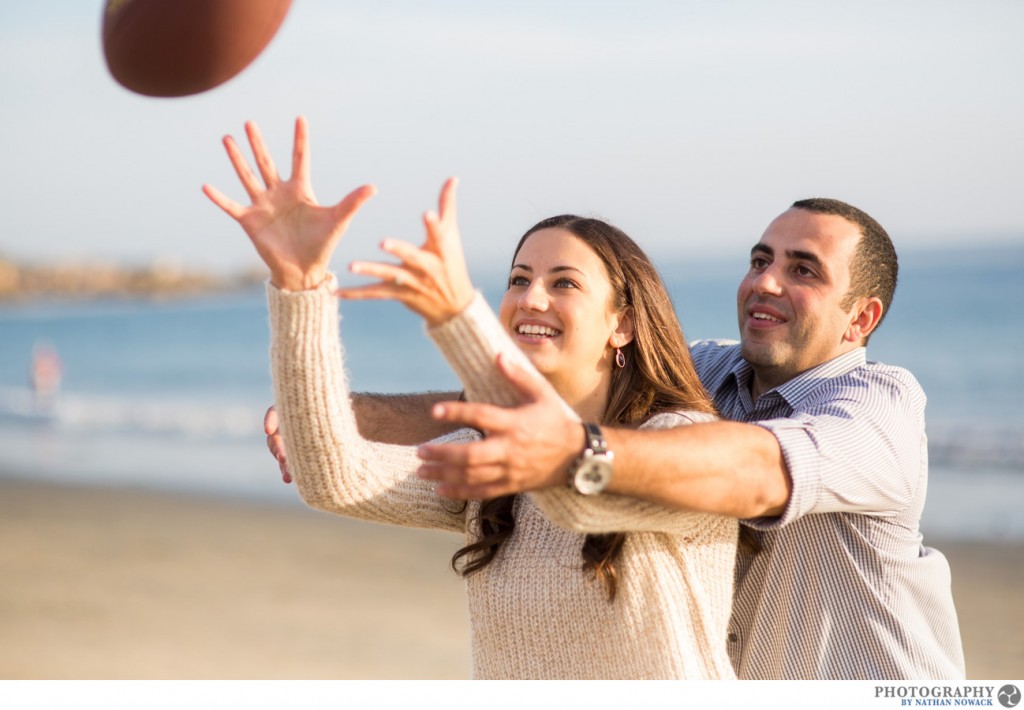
x=431 y=280
x=293 y=234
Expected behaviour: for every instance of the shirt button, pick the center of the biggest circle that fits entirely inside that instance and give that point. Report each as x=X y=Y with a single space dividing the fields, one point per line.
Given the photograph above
x=733 y=638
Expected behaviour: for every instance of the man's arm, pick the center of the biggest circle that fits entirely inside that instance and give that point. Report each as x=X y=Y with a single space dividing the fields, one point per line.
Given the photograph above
x=729 y=468
x=722 y=467
x=400 y=418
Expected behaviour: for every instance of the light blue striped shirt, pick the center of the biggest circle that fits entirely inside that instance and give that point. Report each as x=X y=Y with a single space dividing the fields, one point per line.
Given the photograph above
x=842 y=587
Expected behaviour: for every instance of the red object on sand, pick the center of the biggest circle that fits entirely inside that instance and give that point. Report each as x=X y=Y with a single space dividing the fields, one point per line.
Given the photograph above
x=182 y=47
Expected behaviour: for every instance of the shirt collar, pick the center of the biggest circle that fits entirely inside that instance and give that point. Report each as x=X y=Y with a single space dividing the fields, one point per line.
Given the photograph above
x=794 y=390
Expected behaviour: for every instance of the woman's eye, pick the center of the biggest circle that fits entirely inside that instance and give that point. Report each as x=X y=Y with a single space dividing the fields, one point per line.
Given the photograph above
x=518 y=281
x=566 y=283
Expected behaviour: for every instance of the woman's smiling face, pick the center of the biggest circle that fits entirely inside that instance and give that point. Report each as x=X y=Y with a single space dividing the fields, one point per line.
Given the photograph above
x=559 y=310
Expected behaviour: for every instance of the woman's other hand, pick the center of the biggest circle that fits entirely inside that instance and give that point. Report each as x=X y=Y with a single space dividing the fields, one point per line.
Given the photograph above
x=431 y=280
x=293 y=234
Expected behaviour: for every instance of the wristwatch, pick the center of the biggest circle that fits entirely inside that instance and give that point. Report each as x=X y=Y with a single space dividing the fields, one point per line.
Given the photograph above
x=592 y=471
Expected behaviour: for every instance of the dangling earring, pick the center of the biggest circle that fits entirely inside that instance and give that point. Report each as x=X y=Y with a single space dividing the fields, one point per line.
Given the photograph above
x=620 y=359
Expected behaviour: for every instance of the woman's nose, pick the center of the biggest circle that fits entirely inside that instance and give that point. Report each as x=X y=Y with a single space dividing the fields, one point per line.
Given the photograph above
x=534 y=297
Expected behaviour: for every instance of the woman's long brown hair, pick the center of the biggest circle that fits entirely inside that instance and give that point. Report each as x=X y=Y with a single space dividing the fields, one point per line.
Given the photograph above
x=658 y=376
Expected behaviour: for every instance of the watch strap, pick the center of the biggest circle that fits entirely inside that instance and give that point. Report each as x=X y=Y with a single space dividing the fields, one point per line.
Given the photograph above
x=595 y=438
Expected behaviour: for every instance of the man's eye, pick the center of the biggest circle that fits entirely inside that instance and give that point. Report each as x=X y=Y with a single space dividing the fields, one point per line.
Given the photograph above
x=758 y=262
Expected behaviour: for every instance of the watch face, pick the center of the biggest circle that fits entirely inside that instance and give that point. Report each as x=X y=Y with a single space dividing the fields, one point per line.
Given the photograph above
x=593 y=475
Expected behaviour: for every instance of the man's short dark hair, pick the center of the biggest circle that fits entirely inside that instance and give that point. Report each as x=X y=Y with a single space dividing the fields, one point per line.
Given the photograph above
x=875 y=268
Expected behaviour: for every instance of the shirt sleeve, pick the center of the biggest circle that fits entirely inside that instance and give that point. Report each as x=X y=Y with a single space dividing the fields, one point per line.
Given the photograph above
x=857 y=445
x=606 y=512
x=334 y=467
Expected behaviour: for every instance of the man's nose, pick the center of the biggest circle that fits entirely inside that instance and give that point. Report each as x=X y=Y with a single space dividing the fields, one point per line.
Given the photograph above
x=767 y=281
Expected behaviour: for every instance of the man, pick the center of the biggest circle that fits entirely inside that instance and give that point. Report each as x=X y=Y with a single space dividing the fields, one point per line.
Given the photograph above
x=824 y=458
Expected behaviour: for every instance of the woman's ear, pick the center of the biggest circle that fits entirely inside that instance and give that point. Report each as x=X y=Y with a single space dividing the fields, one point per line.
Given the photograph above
x=623 y=333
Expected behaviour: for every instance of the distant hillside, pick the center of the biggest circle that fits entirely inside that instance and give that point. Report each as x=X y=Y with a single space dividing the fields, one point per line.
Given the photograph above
x=161 y=279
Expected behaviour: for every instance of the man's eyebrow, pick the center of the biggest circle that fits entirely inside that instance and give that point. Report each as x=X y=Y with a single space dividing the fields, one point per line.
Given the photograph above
x=810 y=256
x=806 y=256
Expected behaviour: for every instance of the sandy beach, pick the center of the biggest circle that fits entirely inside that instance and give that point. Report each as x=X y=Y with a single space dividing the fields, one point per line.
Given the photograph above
x=117 y=584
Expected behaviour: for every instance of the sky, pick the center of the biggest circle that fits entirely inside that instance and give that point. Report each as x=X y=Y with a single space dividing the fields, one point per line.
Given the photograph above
x=688 y=124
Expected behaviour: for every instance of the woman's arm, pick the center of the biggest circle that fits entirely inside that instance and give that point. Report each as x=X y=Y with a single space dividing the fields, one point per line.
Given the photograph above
x=336 y=468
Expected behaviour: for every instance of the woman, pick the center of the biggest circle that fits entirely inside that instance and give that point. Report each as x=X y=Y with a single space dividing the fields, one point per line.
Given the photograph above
x=559 y=585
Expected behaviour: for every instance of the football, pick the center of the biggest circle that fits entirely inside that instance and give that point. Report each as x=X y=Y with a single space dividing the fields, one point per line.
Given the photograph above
x=182 y=47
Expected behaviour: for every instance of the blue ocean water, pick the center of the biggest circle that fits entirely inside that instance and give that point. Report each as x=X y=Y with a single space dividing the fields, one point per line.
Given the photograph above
x=171 y=395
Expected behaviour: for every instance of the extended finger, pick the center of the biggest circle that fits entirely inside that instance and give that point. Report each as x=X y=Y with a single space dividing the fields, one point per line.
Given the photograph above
x=345 y=210
x=446 y=202
x=378 y=292
x=483 y=417
x=242 y=169
x=234 y=210
x=276 y=447
x=530 y=384
x=467 y=492
x=300 y=151
x=435 y=232
x=259 y=151
x=411 y=256
x=271 y=424
x=488 y=454
x=389 y=274
x=275 y=442
x=454 y=474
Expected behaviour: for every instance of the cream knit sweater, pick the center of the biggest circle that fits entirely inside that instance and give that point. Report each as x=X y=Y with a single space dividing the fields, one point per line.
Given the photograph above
x=534 y=611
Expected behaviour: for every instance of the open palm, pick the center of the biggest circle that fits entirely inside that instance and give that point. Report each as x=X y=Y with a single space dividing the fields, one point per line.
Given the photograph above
x=293 y=234
x=432 y=280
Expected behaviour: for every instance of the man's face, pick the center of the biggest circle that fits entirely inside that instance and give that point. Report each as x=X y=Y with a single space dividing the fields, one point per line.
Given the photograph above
x=789 y=309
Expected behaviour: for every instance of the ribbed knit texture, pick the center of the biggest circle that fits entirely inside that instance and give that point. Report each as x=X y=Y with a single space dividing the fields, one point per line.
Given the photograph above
x=535 y=612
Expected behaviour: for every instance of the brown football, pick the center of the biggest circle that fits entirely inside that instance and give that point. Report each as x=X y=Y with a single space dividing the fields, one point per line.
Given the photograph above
x=182 y=47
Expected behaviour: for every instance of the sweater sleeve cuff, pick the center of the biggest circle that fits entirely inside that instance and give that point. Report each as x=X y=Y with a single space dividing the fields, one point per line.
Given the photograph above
x=295 y=316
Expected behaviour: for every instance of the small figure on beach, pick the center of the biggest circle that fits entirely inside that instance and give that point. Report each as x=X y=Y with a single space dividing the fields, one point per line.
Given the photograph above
x=45 y=375
x=564 y=583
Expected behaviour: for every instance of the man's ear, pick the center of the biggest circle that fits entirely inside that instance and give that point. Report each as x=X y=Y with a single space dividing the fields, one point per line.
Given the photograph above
x=623 y=333
x=866 y=316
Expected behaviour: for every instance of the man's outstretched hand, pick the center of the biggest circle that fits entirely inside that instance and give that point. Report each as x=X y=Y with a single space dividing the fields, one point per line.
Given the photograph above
x=275 y=442
x=525 y=448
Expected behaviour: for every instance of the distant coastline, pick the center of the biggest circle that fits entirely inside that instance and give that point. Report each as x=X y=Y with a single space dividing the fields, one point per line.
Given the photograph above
x=161 y=279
